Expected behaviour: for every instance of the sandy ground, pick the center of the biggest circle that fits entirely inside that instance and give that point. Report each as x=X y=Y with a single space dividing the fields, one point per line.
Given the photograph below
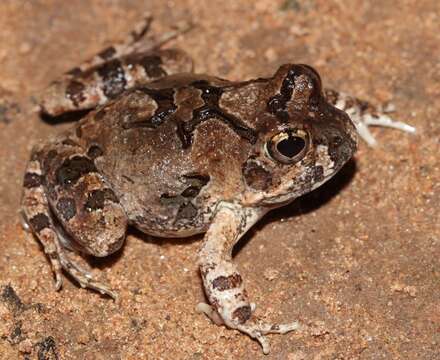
x=357 y=261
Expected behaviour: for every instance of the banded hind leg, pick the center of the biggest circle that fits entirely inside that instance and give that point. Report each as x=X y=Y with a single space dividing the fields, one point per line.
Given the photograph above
x=69 y=206
x=228 y=300
x=364 y=114
x=136 y=60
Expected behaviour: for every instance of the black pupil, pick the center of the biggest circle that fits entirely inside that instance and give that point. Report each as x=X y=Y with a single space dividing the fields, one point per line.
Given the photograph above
x=291 y=146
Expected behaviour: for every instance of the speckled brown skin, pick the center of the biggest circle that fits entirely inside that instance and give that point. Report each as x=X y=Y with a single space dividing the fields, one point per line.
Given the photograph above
x=181 y=155
x=177 y=157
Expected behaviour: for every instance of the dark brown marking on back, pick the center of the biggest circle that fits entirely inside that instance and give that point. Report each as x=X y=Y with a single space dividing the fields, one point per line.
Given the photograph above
x=223 y=283
x=164 y=99
x=196 y=181
x=66 y=207
x=242 y=314
x=96 y=199
x=211 y=109
x=186 y=211
x=32 y=180
x=72 y=169
x=113 y=77
x=75 y=92
x=39 y=222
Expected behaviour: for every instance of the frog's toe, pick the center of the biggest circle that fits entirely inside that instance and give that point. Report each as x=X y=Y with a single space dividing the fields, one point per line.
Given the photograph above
x=383 y=120
x=210 y=312
x=84 y=278
x=258 y=331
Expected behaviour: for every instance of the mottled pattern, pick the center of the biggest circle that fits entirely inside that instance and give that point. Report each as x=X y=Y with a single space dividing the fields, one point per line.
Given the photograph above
x=175 y=154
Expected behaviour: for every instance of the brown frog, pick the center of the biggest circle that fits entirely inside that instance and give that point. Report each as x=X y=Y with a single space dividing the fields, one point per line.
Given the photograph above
x=174 y=154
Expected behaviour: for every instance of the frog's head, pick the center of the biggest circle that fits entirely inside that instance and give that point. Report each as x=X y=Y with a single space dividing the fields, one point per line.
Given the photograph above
x=303 y=140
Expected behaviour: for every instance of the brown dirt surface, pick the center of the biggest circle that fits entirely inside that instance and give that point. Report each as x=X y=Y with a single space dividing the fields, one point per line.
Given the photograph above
x=357 y=261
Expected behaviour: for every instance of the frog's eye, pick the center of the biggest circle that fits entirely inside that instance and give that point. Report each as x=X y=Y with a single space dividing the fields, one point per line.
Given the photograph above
x=288 y=147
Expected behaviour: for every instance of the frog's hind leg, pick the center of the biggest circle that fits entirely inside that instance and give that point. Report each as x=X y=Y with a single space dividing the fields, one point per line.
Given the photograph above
x=136 y=60
x=37 y=217
x=45 y=208
x=224 y=287
x=364 y=115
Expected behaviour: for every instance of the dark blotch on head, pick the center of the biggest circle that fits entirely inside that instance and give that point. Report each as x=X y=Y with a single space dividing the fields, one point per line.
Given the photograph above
x=32 y=180
x=66 y=207
x=223 y=283
x=242 y=314
x=256 y=176
x=277 y=105
x=94 y=152
x=39 y=222
x=72 y=169
x=96 y=199
x=113 y=78
x=75 y=92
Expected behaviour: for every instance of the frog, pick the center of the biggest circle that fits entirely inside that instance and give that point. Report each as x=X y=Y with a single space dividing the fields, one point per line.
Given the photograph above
x=175 y=153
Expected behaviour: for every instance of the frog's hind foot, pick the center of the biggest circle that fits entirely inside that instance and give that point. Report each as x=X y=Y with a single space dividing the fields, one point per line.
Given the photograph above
x=135 y=61
x=38 y=217
x=254 y=329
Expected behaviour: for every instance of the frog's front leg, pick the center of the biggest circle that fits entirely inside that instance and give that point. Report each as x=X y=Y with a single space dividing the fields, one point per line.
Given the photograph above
x=68 y=205
x=114 y=70
x=363 y=115
x=224 y=287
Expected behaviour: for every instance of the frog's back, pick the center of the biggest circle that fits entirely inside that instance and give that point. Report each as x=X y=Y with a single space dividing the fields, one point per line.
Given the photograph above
x=165 y=159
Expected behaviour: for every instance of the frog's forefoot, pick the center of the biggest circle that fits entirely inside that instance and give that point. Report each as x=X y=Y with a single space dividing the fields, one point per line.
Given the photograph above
x=84 y=278
x=364 y=121
x=364 y=115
